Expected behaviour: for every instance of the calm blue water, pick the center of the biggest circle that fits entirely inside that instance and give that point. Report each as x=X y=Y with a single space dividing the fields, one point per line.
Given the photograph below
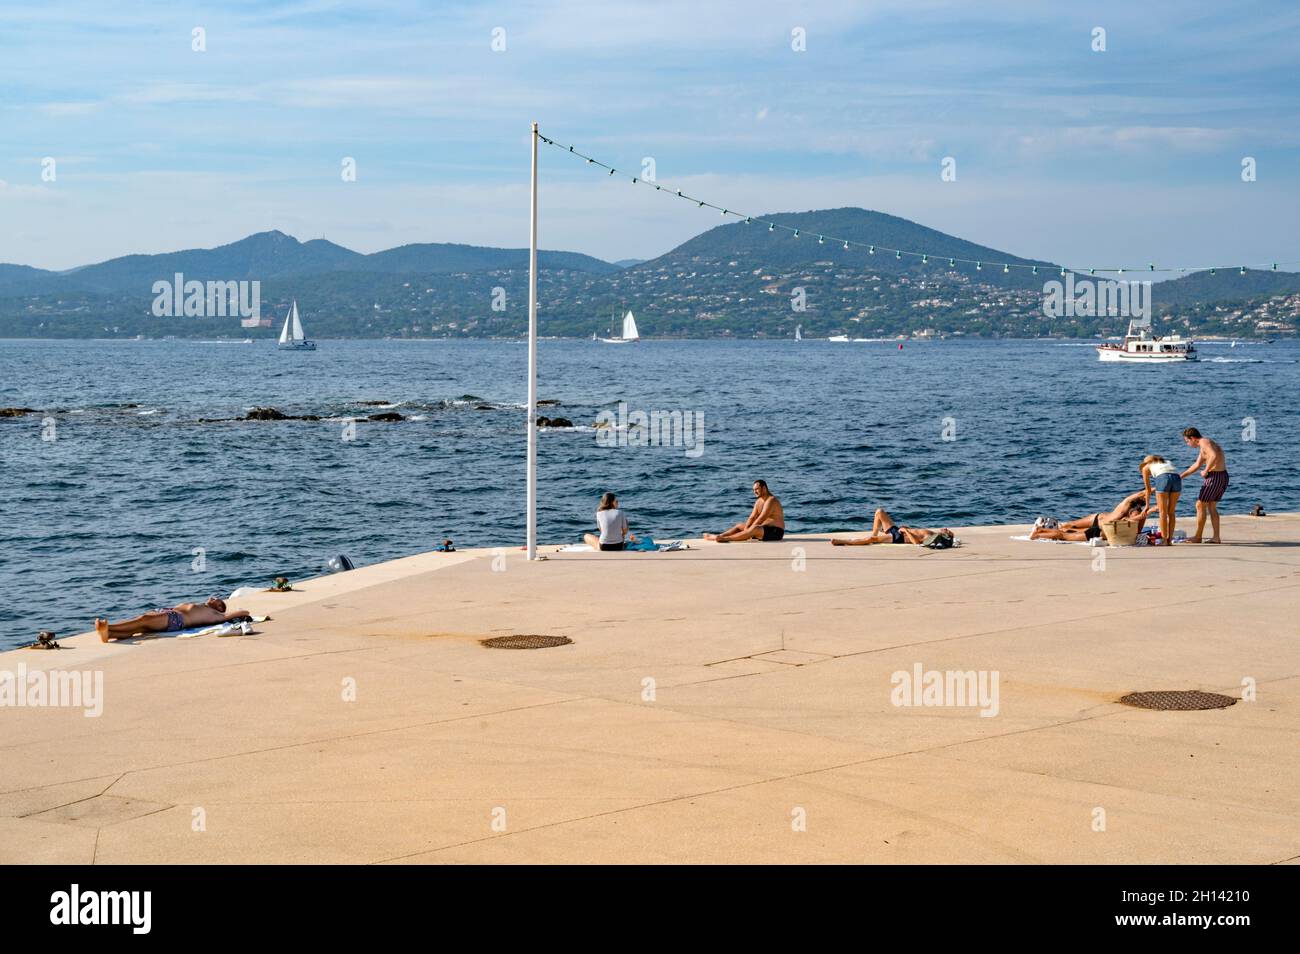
x=105 y=518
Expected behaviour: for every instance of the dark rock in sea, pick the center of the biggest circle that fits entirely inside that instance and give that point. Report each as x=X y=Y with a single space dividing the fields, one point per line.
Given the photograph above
x=374 y=403
x=16 y=411
x=265 y=414
x=554 y=422
x=386 y=416
x=549 y=402
x=484 y=407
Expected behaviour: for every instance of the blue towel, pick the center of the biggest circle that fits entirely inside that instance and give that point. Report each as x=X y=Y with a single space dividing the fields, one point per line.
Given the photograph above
x=642 y=543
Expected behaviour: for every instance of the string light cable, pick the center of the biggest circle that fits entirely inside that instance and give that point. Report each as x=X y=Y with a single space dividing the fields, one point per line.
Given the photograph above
x=898 y=253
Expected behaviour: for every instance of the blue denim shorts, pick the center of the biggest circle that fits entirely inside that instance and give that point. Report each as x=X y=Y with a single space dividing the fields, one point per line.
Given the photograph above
x=1168 y=484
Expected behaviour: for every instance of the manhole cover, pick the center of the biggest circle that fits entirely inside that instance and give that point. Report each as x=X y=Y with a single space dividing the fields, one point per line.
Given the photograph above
x=526 y=641
x=1178 y=699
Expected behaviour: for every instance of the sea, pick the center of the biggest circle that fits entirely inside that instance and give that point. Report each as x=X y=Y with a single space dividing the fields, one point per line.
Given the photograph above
x=136 y=484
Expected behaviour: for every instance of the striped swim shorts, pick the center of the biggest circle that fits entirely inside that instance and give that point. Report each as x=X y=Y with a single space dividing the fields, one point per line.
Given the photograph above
x=1213 y=486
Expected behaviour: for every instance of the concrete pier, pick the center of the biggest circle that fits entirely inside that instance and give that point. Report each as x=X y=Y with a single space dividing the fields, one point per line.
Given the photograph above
x=730 y=703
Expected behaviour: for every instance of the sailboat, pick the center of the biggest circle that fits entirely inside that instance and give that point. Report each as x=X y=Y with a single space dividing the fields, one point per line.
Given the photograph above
x=292 y=337
x=629 y=332
x=798 y=332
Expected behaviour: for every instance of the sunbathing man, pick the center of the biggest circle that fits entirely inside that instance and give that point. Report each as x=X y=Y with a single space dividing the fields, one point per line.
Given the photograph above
x=884 y=530
x=1132 y=507
x=766 y=521
x=181 y=616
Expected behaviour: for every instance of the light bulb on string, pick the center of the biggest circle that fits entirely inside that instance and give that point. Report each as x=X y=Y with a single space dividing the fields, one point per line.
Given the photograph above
x=796 y=233
x=1035 y=269
x=898 y=255
x=979 y=266
x=952 y=263
x=871 y=250
x=821 y=240
x=846 y=246
x=1006 y=269
x=925 y=259
x=1243 y=270
x=612 y=171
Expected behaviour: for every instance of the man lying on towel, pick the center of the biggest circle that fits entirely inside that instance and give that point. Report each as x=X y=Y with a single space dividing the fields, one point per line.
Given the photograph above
x=884 y=530
x=179 y=617
x=766 y=521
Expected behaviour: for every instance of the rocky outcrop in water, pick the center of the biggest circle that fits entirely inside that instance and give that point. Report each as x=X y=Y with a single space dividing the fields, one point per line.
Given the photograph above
x=274 y=414
x=16 y=411
x=554 y=422
x=386 y=416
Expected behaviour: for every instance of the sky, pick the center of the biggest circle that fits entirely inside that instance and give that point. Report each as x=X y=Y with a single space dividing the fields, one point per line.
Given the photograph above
x=1087 y=157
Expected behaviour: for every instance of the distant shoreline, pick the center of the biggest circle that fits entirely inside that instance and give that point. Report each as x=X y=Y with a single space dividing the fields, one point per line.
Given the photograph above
x=951 y=339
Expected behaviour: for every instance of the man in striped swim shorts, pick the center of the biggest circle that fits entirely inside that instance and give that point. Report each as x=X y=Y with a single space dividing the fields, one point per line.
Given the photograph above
x=1214 y=473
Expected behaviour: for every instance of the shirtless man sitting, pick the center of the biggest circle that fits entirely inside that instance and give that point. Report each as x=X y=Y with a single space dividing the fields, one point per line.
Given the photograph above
x=766 y=521
x=884 y=530
x=1132 y=507
x=1214 y=481
x=181 y=616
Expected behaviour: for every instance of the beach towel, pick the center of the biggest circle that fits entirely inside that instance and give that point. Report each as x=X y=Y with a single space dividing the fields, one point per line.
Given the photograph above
x=646 y=542
x=230 y=628
x=1142 y=541
x=1076 y=543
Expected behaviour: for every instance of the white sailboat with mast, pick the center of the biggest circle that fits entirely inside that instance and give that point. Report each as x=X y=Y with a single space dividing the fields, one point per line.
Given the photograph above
x=292 y=337
x=630 y=333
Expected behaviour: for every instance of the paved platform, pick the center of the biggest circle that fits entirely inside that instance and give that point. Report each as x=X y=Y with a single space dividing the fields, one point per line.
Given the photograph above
x=730 y=703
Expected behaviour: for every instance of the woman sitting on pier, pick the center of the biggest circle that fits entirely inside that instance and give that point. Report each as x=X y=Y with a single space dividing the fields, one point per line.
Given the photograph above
x=611 y=526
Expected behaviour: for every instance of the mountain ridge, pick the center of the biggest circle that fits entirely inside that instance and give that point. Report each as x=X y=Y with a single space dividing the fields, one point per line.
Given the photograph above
x=734 y=279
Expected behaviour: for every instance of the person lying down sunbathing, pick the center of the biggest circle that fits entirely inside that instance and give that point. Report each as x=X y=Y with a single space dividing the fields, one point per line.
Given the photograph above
x=884 y=530
x=1132 y=507
x=170 y=620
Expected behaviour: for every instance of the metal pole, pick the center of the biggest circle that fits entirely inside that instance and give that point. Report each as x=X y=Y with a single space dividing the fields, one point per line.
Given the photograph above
x=532 y=364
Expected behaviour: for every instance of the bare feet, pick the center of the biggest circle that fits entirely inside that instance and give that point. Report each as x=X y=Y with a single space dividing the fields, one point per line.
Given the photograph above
x=1192 y=540
x=1214 y=540
x=836 y=542
x=101 y=627
x=710 y=536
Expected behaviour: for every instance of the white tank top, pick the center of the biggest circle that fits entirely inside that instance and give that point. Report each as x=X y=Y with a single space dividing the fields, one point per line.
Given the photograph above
x=1161 y=467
